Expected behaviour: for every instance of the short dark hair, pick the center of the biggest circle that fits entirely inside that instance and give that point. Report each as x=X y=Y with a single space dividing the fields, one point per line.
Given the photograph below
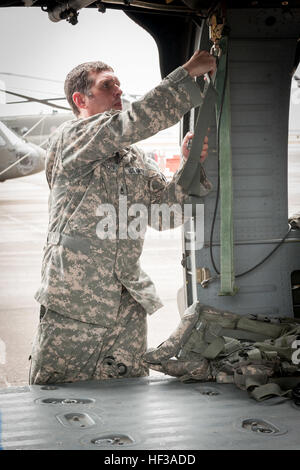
x=80 y=79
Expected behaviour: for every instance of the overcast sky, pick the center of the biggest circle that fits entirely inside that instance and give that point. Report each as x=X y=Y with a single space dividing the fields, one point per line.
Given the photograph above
x=32 y=45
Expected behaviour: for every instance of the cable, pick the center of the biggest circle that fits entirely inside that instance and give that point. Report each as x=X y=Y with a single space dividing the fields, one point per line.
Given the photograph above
x=218 y=122
x=268 y=256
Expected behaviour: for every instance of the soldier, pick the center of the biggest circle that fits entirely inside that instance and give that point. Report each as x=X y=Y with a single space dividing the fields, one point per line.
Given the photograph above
x=93 y=293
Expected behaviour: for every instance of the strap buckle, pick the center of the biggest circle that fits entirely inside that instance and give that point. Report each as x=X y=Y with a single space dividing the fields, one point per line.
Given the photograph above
x=216 y=26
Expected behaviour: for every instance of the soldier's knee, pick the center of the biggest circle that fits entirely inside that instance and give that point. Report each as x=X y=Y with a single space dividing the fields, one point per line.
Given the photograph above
x=123 y=366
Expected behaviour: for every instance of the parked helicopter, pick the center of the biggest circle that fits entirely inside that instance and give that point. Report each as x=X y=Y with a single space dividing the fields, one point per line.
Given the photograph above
x=21 y=149
x=23 y=138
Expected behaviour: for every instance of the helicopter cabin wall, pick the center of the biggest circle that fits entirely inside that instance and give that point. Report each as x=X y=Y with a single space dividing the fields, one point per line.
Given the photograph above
x=262 y=51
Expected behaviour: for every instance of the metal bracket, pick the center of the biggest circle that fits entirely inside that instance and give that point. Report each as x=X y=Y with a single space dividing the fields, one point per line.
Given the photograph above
x=203 y=276
x=216 y=25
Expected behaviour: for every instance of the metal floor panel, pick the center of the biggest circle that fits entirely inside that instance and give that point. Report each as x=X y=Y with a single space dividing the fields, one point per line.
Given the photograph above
x=143 y=414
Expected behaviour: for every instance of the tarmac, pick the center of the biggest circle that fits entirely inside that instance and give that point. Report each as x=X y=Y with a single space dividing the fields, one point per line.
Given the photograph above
x=23 y=224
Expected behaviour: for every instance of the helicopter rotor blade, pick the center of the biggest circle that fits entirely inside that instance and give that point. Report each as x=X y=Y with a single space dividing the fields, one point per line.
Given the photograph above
x=30 y=99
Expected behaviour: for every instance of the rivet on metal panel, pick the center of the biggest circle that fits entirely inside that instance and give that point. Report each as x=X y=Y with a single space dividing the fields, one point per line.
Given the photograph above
x=77 y=420
x=64 y=401
x=208 y=391
x=113 y=440
x=69 y=401
x=260 y=426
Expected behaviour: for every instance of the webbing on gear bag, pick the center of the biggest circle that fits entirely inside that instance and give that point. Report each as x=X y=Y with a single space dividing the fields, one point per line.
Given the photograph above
x=199 y=350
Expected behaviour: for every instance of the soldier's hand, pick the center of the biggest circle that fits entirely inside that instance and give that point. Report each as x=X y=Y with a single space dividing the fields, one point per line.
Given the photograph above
x=200 y=63
x=185 y=147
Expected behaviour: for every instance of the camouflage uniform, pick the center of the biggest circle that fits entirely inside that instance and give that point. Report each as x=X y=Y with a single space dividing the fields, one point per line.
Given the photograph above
x=91 y=162
x=93 y=352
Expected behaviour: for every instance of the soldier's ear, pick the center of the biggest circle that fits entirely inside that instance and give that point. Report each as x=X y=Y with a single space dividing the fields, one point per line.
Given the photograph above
x=79 y=99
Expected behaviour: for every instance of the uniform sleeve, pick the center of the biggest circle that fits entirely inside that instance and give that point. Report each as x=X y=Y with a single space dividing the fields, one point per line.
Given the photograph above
x=167 y=199
x=100 y=136
x=52 y=155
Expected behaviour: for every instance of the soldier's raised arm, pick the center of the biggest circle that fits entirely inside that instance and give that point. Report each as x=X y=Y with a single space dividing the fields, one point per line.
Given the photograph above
x=98 y=137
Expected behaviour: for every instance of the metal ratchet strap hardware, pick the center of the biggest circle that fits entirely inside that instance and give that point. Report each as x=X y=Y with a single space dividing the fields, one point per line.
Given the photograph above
x=190 y=177
x=216 y=26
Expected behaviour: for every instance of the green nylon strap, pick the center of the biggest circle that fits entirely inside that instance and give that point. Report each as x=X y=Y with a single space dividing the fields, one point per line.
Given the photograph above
x=246 y=381
x=268 y=390
x=254 y=355
x=190 y=177
x=270 y=355
x=283 y=352
x=268 y=329
x=242 y=334
x=255 y=380
x=225 y=157
x=214 y=349
x=231 y=345
x=276 y=387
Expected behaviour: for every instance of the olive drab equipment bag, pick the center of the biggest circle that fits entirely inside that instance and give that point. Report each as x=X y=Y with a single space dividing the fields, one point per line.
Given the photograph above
x=255 y=352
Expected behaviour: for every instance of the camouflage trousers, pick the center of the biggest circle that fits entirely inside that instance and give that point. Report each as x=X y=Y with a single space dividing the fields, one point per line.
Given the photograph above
x=67 y=350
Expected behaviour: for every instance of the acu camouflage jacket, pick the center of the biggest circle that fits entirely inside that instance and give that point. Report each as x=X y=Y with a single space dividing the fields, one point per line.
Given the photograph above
x=82 y=275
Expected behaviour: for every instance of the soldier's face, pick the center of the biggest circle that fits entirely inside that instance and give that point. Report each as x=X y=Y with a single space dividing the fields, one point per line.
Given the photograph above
x=105 y=94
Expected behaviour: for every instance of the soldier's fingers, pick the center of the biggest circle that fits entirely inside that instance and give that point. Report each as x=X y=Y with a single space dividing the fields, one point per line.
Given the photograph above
x=200 y=54
x=189 y=135
x=204 y=53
